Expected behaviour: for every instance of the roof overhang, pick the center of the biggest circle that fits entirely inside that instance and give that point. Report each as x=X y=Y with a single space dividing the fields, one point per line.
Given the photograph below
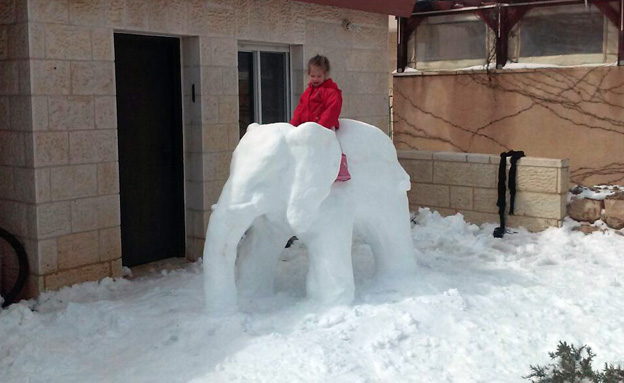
x=401 y=8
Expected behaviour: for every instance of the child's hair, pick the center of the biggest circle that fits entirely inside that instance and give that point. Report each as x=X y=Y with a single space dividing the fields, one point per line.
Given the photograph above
x=319 y=61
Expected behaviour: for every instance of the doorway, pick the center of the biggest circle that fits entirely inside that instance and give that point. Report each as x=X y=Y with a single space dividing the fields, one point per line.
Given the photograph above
x=151 y=167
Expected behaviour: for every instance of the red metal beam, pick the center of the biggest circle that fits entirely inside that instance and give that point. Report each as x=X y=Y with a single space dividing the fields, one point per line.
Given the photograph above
x=401 y=8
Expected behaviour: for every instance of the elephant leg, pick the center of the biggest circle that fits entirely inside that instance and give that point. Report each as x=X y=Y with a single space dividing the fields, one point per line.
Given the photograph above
x=387 y=230
x=258 y=255
x=328 y=240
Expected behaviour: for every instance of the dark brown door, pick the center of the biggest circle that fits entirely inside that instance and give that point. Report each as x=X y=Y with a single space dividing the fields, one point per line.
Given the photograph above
x=151 y=173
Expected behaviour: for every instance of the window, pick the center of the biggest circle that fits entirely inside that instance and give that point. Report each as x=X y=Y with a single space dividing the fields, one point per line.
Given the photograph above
x=264 y=85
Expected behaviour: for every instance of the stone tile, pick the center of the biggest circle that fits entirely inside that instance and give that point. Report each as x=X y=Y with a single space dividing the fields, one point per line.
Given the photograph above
x=536 y=179
x=6 y=182
x=95 y=213
x=364 y=83
x=429 y=195
x=4 y=113
x=210 y=109
x=93 y=146
x=485 y=200
x=12 y=149
x=87 y=12
x=20 y=111
x=24 y=183
x=136 y=14
x=368 y=105
x=541 y=205
x=228 y=109
x=450 y=156
x=71 y=277
x=53 y=219
x=67 y=42
x=102 y=41
x=48 y=10
x=32 y=288
x=51 y=148
x=461 y=198
x=24 y=77
x=230 y=81
x=106 y=112
x=78 y=249
x=70 y=112
x=361 y=60
x=191 y=52
x=418 y=170
x=216 y=137
x=108 y=178
x=9 y=84
x=110 y=244
x=8 y=12
x=211 y=80
x=36 y=37
x=77 y=181
x=216 y=166
x=219 y=52
x=168 y=15
x=18 y=41
x=42 y=256
x=464 y=174
x=43 y=185
x=39 y=113
x=209 y=19
x=93 y=78
x=50 y=77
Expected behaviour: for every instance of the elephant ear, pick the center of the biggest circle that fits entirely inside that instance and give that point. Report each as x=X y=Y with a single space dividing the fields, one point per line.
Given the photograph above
x=315 y=154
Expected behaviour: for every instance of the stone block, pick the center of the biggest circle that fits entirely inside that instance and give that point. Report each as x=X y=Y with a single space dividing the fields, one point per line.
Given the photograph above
x=216 y=137
x=93 y=78
x=212 y=191
x=88 y=12
x=42 y=256
x=136 y=14
x=368 y=105
x=102 y=44
x=116 y=268
x=43 y=185
x=536 y=179
x=544 y=162
x=20 y=111
x=211 y=80
x=83 y=274
x=24 y=184
x=51 y=148
x=95 y=213
x=36 y=37
x=18 y=41
x=67 y=42
x=77 y=181
x=56 y=11
x=205 y=18
x=478 y=158
x=367 y=60
x=450 y=156
x=93 y=146
x=541 y=205
x=4 y=113
x=563 y=175
x=39 y=113
x=195 y=195
x=216 y=166
x=364 y=83
x=461 y=197
x=108 y=178
x=228 y=109
x=6 y=182
x=110 y=244
x=9 y=78
x=23 y=72
x=230 y=81
x=192 y=139
x=70 y=113
x=210 y=109
x=4 y=42
x=585 y=210
x=12 y=149
x=8 y=12
x=464 y=174
x=50 y=77
x=53 y=219
x=191 y=52
x=76 y=250
x=614 y=211
x=194 y=248
x=168 y=15
x=418 y=170
x=14 y=218
x=430 y=195
x=484 y=200
x=219 y=51
x=106 y=112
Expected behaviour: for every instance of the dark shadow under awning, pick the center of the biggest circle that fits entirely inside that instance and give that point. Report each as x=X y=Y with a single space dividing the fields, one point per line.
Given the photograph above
x=401 y=8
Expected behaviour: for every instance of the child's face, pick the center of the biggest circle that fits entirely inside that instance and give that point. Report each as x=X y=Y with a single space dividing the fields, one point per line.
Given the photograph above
x=317 y=76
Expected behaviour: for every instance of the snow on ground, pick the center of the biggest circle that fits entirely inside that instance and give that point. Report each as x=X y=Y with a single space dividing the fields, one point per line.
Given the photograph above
x=479 y=309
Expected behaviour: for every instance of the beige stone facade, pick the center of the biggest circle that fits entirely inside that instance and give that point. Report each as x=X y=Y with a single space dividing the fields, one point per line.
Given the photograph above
x=59 y=169
x=466 y=183
x=573 y=113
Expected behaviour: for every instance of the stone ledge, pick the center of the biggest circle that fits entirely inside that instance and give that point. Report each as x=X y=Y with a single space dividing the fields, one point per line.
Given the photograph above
x=479 y=158
x=415 y=154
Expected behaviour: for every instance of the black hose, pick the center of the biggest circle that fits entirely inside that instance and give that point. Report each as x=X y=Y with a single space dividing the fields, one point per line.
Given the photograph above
x=22 y=258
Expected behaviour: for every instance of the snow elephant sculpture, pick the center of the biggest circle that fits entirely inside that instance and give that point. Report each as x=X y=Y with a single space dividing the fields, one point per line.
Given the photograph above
x=282 y=184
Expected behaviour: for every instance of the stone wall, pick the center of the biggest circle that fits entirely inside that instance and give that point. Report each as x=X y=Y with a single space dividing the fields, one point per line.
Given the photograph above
x=59 y=184
x=573 y=113
x=463 y=183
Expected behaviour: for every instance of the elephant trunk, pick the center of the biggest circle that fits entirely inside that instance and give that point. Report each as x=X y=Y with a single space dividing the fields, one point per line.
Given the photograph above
x=228 y=224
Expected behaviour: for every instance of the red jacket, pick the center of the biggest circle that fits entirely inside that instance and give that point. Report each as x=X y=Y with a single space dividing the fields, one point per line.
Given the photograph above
x=320 y=104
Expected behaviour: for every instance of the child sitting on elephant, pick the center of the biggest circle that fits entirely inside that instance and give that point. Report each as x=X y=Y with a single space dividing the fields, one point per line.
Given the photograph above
x=321 y=103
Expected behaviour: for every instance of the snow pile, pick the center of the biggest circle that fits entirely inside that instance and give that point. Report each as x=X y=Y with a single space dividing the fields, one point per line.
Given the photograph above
x=281 y=185
x=480 y=310
x=597 y=192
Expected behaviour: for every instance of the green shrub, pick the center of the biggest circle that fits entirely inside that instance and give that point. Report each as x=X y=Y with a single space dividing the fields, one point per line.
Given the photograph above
x=573 y=365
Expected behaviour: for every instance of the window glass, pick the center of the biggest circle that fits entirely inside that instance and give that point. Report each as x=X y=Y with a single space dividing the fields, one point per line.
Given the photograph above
x=273 y=87
x=245 y=91
x=451 y=41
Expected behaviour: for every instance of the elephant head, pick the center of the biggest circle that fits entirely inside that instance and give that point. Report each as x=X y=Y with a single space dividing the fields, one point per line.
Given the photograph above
x=277 y=169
